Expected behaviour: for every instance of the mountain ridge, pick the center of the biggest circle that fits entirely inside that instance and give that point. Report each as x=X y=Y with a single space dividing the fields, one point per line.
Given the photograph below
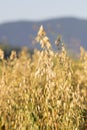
x=22 y=33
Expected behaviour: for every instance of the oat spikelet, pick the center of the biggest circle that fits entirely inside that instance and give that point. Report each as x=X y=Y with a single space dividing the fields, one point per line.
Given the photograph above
x=43 y=39
x=13 y=55
x=41 y=31
x=1 y=54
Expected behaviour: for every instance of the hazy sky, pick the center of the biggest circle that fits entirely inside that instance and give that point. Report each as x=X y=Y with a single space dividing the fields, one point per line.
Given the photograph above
x=11 y=10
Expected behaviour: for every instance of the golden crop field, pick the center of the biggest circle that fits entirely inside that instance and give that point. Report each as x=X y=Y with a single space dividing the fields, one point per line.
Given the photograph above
x=45 y=91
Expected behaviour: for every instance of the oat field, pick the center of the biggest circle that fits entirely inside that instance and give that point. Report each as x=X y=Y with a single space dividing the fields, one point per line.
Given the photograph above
x=45 y=91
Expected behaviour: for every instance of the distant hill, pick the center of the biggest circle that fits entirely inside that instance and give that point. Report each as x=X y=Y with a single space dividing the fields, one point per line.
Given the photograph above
x=22 y=33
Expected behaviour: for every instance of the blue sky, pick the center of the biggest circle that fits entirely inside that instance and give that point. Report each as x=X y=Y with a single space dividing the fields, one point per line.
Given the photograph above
x=11 y=10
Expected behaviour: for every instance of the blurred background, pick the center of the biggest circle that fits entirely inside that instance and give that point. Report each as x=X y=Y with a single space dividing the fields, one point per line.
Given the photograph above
x=21 y=19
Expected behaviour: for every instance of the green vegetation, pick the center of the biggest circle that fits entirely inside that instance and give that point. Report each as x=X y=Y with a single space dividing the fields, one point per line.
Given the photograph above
x=7 y=48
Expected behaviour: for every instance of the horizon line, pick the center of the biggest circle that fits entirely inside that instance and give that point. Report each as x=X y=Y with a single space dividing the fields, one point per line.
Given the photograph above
x=42 y=20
